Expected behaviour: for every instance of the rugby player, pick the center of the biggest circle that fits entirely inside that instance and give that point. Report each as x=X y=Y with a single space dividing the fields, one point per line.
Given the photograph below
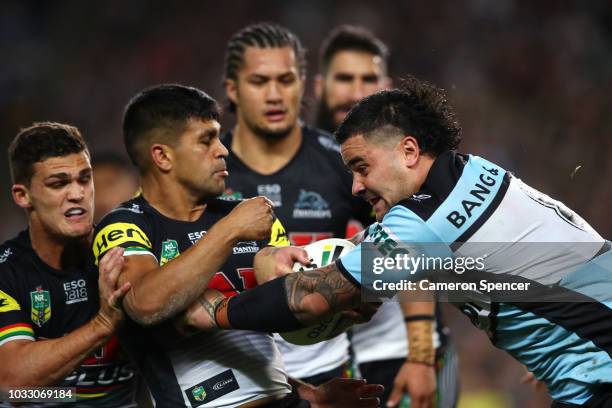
x=400 y=146
x=178 y=240
x=55 y=330
x=297 y=167
x=353 y=63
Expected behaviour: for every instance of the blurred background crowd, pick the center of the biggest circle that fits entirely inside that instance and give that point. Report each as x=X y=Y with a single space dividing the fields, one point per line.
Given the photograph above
x=531 y=82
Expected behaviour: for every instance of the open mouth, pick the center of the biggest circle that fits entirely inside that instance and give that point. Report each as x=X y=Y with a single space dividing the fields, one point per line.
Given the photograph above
x=75 y=212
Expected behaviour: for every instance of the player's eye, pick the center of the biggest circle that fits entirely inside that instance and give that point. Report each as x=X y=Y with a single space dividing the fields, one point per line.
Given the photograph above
x=56 y=185
x=287 y=79
x=370 y=79
x=343 y=78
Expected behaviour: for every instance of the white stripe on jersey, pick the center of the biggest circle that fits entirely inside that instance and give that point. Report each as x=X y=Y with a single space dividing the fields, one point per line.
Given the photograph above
x=307 y=361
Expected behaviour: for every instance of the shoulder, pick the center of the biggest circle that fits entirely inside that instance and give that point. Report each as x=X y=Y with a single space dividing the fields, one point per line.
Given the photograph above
x=14 y=250
x=320 y=140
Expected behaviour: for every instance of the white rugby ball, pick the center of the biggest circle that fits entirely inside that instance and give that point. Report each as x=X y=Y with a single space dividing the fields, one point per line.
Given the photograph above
x=320 y=253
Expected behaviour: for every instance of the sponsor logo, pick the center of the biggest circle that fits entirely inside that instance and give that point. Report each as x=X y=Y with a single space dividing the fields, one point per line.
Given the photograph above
x=311 y=205
x=41 y=306
x=76 y=291
x=272 y=192
x=7 y=252
x=218 y=386
x=245 y=247
x=384 y=243
x=476 y=198
x=420 y=197
x=195 y=236
x=7 y=303
x=231 y=195
x=212 y=388
x=278 y=235
x=170 y=250
x=199 y=394
x=116 y=234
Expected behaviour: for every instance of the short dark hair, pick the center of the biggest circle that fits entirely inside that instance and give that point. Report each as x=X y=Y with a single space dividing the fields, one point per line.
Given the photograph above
x=39 y=142
x=161 y=113
x=261 y=35
x=351 y=38
x=418 y=109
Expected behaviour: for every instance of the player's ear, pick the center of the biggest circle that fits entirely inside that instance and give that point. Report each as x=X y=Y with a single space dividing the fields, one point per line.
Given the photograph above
x=231 y=90
x=410 y=150
x=318 y=86
x=21 y=196
x=162 y=156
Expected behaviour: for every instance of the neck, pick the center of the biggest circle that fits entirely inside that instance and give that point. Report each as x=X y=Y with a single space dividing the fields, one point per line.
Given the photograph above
x=263 y=155
x=55 y=251
x=172 y=199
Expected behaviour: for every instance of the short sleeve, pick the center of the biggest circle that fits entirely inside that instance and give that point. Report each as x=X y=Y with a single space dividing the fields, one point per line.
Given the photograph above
x=399 y=230
x=127 y=228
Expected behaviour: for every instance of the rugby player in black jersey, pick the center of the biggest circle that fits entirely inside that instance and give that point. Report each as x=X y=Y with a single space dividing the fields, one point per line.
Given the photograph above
x=297 y=167
x=55 y=330
x=353 y=63
x=180 y=239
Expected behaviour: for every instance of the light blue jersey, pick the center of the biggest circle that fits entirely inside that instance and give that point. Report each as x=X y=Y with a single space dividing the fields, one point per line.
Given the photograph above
x=467 y=204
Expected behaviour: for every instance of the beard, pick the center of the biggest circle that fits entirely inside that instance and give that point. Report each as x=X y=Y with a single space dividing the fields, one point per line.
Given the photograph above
x=325 y=116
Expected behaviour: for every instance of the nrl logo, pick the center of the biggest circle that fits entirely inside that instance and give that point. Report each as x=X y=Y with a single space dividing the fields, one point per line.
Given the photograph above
x=199 y=394
x=41 y=306
x=170 y=251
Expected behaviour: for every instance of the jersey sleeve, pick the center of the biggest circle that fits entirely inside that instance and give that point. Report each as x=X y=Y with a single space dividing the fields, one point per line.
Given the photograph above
x=125 y=228
x=401 y=231
x=278 y=235
x=14 y=321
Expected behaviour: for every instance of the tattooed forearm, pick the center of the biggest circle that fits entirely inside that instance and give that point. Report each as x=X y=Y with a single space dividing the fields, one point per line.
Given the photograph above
x=314 y=294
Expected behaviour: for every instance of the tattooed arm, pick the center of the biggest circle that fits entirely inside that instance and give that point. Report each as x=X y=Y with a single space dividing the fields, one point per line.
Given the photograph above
x=287 y=303
x=314 y=294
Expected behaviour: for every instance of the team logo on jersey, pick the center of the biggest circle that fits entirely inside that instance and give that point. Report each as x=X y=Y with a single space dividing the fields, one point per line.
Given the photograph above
x=7 y=303
x=272 y=192
x=199 y=394
x=311 y=205
x=231 y=195
x=41 y=306
x=212 y=388
x=170 y=250
x=7 y=252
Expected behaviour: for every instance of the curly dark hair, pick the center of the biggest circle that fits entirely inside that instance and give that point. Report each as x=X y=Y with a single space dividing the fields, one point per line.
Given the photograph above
x=417 y=108
x=39 y=142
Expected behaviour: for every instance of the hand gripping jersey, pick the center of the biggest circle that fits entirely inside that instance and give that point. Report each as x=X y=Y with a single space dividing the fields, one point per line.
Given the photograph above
x=312 y=197
x=467 y=201
x=209 y=369
x=38 y=302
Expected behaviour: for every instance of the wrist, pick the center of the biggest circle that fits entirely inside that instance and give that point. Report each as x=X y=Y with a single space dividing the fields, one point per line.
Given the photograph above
x=103 y=326
x=228 y=231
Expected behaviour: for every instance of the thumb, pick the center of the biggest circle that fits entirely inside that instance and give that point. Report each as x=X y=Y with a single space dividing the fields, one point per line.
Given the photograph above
x=395 y=396
x=302 y=256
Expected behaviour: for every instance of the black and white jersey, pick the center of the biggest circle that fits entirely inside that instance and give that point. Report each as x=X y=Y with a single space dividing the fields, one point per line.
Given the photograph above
x=209 y=369
x=38 y=302
x=312 y=197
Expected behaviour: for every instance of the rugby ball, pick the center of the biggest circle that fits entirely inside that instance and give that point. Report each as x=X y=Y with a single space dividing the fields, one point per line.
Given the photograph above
x=320 y=253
